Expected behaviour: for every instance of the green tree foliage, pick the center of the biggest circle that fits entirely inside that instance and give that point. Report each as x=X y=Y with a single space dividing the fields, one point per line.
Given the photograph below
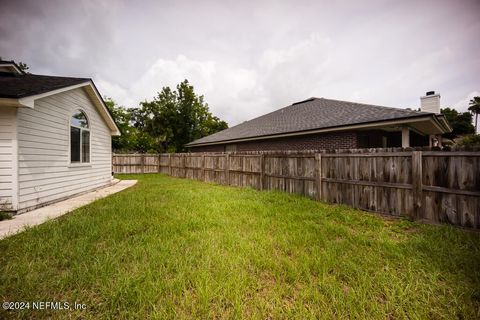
x=132 y=139
x=176 y=117
x=23 y=66
x=474 y=107
x=165 y=124
x=471 y=140
x=122 y=118
x=461 y=123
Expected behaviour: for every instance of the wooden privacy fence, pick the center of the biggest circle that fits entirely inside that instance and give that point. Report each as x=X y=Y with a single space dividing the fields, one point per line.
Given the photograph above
x=437 y=186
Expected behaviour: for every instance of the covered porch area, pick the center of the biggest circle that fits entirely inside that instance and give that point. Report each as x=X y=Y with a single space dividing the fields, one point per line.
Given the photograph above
x=415 y=134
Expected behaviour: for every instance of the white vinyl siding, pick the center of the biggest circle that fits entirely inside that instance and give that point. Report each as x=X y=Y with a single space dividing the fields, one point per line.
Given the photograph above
x=7 y=135
x=45 y=173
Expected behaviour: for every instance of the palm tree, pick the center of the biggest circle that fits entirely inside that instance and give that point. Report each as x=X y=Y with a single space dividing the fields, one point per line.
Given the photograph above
x=474 y=107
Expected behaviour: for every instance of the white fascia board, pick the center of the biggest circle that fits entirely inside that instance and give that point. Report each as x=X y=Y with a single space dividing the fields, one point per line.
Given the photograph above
x=104 y=110
x=441 y=118
x=13 y=66
x=29 y=101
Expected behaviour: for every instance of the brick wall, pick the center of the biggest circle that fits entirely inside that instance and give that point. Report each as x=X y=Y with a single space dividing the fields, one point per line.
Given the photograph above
x=213 y=148
x=334 y=140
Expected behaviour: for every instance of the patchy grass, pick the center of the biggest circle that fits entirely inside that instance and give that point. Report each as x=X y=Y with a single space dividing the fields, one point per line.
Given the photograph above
x=172 y=248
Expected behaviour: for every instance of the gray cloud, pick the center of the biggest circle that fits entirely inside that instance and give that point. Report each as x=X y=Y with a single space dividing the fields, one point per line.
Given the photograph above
x=249 y=58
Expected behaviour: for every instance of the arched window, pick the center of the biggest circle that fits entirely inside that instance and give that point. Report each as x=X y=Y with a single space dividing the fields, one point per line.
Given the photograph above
x=79 y=138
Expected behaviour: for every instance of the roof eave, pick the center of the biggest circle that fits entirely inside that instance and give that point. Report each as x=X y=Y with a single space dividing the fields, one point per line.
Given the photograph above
x=115 y=131
x=92 y=91
x=444 y=122
x=10 y=102
x=405 y=120
x=13 y=65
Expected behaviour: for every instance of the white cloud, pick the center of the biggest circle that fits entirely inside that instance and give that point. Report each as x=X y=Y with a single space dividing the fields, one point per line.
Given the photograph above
x=230 y=91
x=250 y=59
x=236 y=93
x=281 y=76
x=115 y=92
x=171 y=72
x=462 y=105
x=296 y=73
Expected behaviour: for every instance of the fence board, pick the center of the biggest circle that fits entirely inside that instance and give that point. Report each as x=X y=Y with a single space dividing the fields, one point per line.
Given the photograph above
x=438 y=186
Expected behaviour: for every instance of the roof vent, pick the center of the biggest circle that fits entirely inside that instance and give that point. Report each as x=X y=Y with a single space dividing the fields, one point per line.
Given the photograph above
x=303 y=101
x=430 y=93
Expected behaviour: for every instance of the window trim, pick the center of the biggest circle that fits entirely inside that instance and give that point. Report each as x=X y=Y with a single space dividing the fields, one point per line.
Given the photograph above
x=89 y=129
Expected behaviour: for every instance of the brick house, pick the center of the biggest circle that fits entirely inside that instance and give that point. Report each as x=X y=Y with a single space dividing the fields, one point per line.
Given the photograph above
x=318 y=123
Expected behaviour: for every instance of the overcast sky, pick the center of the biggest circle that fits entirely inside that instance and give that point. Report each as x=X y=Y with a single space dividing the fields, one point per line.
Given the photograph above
x=251 y=57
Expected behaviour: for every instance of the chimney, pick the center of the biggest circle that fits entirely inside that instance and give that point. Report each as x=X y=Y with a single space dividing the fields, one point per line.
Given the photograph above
x=430 y=102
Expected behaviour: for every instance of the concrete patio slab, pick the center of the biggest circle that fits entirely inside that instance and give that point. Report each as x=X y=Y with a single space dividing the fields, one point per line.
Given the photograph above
x=40 y=215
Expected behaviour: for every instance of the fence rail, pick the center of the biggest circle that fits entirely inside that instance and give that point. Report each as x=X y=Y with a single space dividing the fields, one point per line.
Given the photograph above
x=436 y=186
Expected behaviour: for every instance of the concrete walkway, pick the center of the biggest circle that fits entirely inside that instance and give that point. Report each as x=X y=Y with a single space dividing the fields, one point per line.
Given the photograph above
x=40 y=215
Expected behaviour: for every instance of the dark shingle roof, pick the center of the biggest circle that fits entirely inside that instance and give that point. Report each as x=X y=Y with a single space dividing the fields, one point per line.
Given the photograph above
x=16 y=86
x=310 y=114
x=24 y=85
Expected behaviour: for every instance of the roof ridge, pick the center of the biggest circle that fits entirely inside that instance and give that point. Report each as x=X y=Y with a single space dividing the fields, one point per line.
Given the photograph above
x=303 y=101
x=50 y=76
x=376 y=105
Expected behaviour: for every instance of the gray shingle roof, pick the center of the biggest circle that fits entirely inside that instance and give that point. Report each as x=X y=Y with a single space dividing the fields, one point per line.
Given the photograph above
x=310 y=114
x=24 y=85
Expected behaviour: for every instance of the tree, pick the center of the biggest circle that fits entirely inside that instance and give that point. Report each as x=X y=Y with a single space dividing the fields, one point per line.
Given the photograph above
x=122 y=119
x=470 y=141
x=461 y=123
x=176 y=117
x=474 y=107
x=159 y=118
x=166 y=124
x=23 y=66
x=132 y=139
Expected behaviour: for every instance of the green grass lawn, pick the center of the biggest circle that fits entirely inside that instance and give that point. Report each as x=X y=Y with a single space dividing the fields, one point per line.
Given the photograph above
x=173 y=248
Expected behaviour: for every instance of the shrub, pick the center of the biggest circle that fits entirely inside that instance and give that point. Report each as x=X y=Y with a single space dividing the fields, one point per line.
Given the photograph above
x=471 y=141
x=5 y=216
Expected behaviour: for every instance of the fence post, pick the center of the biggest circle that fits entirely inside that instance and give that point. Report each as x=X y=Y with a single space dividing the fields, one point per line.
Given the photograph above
x=262 y=170
x=417 y=184
x=158 y=168
x=142 y=163
x=184 y=165
x=169 y=164
x=318 y=175
x=203 y=166
x=227 y=170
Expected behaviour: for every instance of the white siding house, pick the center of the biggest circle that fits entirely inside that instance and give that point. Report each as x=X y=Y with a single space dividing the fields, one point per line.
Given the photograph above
x=7 y=152
x=55 y=140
